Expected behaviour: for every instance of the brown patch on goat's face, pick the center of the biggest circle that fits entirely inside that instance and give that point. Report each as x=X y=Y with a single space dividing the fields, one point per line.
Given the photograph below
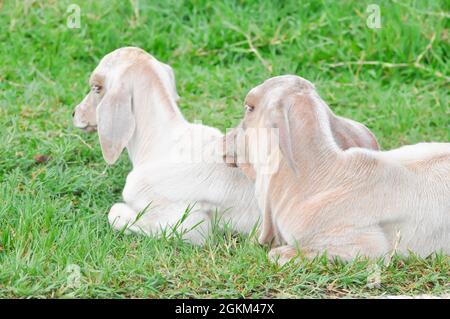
x=84 y=116
x=97 y=79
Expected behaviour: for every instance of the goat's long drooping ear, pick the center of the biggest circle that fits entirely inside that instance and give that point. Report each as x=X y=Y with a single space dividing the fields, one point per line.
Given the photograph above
x=116 y=123
x=285 y=138
x=348 y=133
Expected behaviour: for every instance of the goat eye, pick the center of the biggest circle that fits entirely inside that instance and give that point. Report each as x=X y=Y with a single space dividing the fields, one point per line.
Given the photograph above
x=249 y=108
x=96 y=88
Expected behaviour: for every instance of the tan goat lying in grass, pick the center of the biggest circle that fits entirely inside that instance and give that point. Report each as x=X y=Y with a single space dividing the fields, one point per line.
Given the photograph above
x=320 y=198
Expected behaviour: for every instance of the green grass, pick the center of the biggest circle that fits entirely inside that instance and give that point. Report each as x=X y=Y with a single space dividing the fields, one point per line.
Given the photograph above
x=53 y=214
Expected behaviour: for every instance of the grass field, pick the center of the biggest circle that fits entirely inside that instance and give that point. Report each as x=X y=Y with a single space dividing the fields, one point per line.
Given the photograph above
x=53 y=214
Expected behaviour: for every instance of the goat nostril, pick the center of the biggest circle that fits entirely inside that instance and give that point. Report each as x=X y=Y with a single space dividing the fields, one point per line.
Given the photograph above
x=73 y=114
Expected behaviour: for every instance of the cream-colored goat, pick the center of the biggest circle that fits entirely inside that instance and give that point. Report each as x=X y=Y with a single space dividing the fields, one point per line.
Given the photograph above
x=133 y=102
x=176 y=164
x=346 y=203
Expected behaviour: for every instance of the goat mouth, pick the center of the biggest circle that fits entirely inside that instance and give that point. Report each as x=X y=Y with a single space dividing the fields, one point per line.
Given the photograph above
x=90 y=128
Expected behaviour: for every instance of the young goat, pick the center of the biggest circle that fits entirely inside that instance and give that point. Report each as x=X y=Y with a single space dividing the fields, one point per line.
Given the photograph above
x=320 y=198
x=176 y=164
